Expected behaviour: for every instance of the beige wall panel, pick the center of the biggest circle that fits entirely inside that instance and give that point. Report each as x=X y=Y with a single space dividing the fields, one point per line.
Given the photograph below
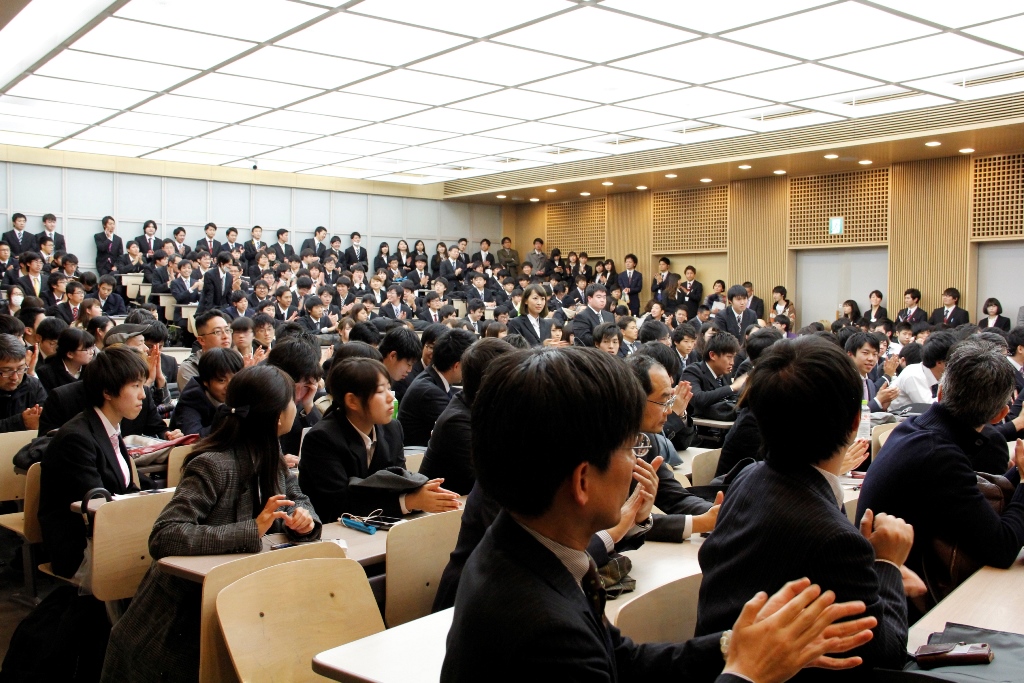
x=757 y=233
x=860 y=197
x=998 y=209
x=529 y=225
x=691 y=220
x=579 y=226
x=629 y=232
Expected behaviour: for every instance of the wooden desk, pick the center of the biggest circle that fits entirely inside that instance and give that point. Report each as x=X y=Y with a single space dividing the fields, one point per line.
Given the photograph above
x=687 y=456
x=96 y=503
x=991 y=598
x=654 y=565
x=715 y=424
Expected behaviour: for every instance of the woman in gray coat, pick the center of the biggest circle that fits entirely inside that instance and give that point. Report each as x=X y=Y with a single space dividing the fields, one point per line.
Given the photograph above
x=235 y=488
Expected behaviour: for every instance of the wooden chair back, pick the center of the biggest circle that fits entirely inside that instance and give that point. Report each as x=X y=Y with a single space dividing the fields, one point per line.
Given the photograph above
x=265 y=616
x=417 y=553
x=323 y=403
x=681 y=478
x=704 y=466
x=877 y=435
x=175 y=462
x=214 y=659
x=32 y=532
x=120 y=544
x=666 y=614
x=413 y=461
x=12 y=486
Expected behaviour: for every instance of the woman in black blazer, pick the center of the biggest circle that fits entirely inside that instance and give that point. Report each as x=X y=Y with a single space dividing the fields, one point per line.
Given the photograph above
x=334 y=451
x=876 y=311
x=75 y=349
x=380 y=261
x=992 y=315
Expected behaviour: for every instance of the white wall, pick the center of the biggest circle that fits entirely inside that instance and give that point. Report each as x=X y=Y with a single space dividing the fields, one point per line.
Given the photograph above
x=999 y=266
x=80 y=199
x=826 y=278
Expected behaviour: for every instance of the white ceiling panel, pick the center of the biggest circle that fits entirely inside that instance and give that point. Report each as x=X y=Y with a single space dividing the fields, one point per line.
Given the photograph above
x=595 y=34
x=384 y=164
x=301 y=68
x=475 y=144
x=109 y=148
x=776 y=117
x=264 y=164
x=301 y=122
x=350 y=105
x=245 y=90
x=306 y=156
x=139 y=138
x=191 y=157
x=965 y=85
x=522 y=104
x=162 y=124
x=955 y=14
x=603 y=84
x=703 y=61
x=122 y=38
x=930 y=56
x=426 y=155
x=1008 y=32
x=340 y=172
x=557 y=155
x=52 y=111
x=617 y=144
x=194 y=107
x=410 y=178
x=256 y=20
x=264 y=136
x=29 y=124
x=610 y=119
x=501 y=64
x=127 y=73
x=468 y=17
x=371 y=40
x=500 y=164
x=454 y=120
x=26 y=139
x=453 y=171
x=398 y=135
x=874 y=101
x=712 y=17
x=693 y=103
x=796 y=83
x=348 y=146
x=688 y=132
x=540 y=133
x=225 y=147
x=420 y=87
x=76 y=92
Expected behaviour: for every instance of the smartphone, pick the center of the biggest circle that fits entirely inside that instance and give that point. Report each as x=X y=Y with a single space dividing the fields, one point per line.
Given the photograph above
x=281 y=546
x=384 y=523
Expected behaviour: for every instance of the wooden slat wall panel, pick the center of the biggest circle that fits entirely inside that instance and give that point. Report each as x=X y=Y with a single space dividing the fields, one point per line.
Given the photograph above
x=757 y=233
x=529 y=225
x=861 y=197
x=629 y=231
x=578 y=226
x=686 y=221
x=998 y=211
x=930 y=240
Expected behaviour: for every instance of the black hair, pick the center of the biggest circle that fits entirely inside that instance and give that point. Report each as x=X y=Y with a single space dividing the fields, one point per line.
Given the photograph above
x=991 y=301
x=297 y=358
x=857 y=340
x=760 y=341
x=365 y=332
x=139 y=316
x=219 y=363
x=110 y=371
x=355 y=375
x=594 y=289
x=50 y=328
x=403 y=342
x=653 y=330
x=11 y=347
x=911 y=353
x=156 y=332
x=97 y=323
x=668 y=358
x=914 y=293
x=476 y=361
x=449 y=347
x=205 y=317
x=606 y=331
x=937 y=347
x=682 y=332
x=517 y=341
x=721 y=344
x=243 y=324
x=12 y=326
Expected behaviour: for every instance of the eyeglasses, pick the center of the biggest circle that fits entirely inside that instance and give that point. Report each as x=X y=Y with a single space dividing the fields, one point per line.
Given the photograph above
x=641 y=445
x=219 y=332
x=666 y=406
x=16 y=372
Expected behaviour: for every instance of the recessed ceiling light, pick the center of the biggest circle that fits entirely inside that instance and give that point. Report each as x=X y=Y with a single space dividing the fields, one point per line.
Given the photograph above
x=705 y=180
x=670 y=175
x=551 y=189
x=607 y=183
x=967 y=150
x=501 y=196
x=745 y=167
x=831 y=156
x=584 y=194
x=779 y=172
x=534 y=199
x=864 y=162
x=641 y=187
x=933 y=143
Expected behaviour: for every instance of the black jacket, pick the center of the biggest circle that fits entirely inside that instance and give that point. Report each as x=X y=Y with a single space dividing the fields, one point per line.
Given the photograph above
x=65 y=402
x=29 y=393
x=216 y=292
x=449 y=455
x=108 y=250
x=194 y=411
x=423 y=403
x=706 y=390
x=522 y=326
x=957 y=316
x=52 y=374
x=584 y=324
x=27 y=243
x=743 y=440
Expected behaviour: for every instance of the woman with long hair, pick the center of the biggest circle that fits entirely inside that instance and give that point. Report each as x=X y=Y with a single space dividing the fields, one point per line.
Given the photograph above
x=851 y=310
x=234 y=490
x=435 y=260
x=420 y=249
x=404 y=257
x=380 y=261
x=671 y=299
x=610 y=271
x=89 y=309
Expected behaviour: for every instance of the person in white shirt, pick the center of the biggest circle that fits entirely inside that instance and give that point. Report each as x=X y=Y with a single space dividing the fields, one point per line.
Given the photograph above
x=919 y=382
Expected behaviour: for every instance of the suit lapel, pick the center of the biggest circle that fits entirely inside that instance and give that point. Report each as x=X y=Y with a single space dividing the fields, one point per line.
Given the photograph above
x=100 y=436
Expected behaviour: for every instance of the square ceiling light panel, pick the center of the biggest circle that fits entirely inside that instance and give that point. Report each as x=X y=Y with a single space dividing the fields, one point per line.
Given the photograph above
x=501 y=64
x=225 y=147
x=688 y=132
x=502 y=164
x=245 y=90
x=475 y=144
x=260 y=136
x=617 y=144
x=522 y=104
x=1009 y=32
x=468 y=17
x=112 y=149
x=455 y=171
x=194 y=107
x=350 y=105
x=154 y=123
x=454 y=121
x=556 y=154
x=832 y=30
x=306 y=156
x=930 y=56
x=52 y=111
x=342 y=145
x=191 y=157
x=595 y=34
x=415 y=86
x=775 y=117
x=427 y=155
x=873 y=101
x=692 y=103
x=610 y=119
x=301 y=68
x=256 y=20
x=76 y=92
x=603 y=84
x=703 y=61
x=371 y=40
x=134 y=40
x=127 y=73
x=139 y=138
x=796 y=83
x=973 y=84
x=28 y=124
x=264 y=164
x=300 y=122
x=26 y=139
x=711 y=17
x=396 y=135
x=540 y=133
x=955 y=14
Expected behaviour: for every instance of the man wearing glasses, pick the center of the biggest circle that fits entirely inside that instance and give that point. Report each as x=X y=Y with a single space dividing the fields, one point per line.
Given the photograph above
x=212 y=332
x=21 y=395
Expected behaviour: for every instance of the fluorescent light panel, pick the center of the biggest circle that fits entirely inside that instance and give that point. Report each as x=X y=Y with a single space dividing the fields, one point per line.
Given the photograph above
x=420 y=87
x=885 y=100
x=162 y=124
x=306 y=156
x=501 y=64
x=610 y=119
x=384 y=164
x=796 y=83
x=920 y=58
x=52 y=111
x=185 y=157
x=955 y=14
x=761 y=120
x=475 y=144
x=112 y=149
x=264 y=164
x=122 y=38
x=262 y=136
x=348 y=146
x=129 y=137
x=694 y=102
x=426 y=155
x=398 y=135
x=688 y=132
x=711 y=17
x=26 y=139
x=410 y=179
x=127 y=73
x=603 y=84
x=540 y=133
x=301 y=122
x=28 y=124
x=225 y=147
x=468 y=17
x=76 y=92
x=340 y=172
x=702 y=61
x=255 y=20
x=357 y=106
x=522 y=104
x=454 y=120
x=301 y=68
x=194 y=107
x=616 y=144
x=558 y=155
x=953 y=85
x=245 y=90
x=1008 y=32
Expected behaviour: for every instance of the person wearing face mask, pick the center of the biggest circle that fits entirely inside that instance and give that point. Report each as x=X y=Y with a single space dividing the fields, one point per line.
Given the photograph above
x=15 y=297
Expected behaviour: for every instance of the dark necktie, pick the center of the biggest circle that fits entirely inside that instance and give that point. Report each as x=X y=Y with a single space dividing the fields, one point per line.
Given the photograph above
x=721 y=381
x=593 y=588
x=935 y=390
x=739 y=323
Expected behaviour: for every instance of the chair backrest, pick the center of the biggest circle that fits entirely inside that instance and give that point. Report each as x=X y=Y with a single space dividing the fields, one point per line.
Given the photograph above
x=413 y=461
x=876 y=437
x=214 y=660
x=265 y=616
x=175 y=461
x=12 y=486
x=120 y=544
x=33 y=533
x=323 y=403
x=417 y=553
x=681 y=478
x=704 y=466
x=666 y=614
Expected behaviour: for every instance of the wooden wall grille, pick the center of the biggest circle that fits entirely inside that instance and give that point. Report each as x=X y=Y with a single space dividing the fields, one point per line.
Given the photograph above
x=860 y=197
x=691 y=221
x=998 y=208
x=578 y=226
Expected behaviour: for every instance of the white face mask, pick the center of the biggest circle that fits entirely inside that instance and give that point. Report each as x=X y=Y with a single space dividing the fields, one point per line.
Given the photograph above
x=17 y=299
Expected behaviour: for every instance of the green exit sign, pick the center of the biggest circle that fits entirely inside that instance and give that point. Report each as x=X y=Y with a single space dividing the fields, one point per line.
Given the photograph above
x=835 y=225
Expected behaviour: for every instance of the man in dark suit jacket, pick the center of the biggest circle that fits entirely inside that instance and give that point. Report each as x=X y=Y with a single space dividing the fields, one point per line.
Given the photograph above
x=587 y=320
x=32 y=264
x=527 y=602
x=156 y=274
x=209 y=244
x=394 y=300
x=110 y=301
x=254 y=245
x=281 y=247
x=50 y=230
x=950 y=314
x=736 y=316
x=19 y=238
x=755 y=303
x=452 y=269
x=484 y=255
x=318 y=243
x=149 y=243
x=632 y=283
x=924 y=474
x=911 y=314
x=430 y=393
x=711 y=380
x=356 y=253
x=216 y=285
x=109 y=247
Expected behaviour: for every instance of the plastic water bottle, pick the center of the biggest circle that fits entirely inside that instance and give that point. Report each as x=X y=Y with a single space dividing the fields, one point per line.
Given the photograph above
x=864 y=429
x=394 y=415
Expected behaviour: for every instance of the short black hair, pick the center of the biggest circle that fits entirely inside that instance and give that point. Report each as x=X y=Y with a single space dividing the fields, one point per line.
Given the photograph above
x=298 y=359
x=911 y=353
x=606 y=331
x=594 y=288
x=476 y=361
x=857 y=340
x=50 y=328
x=243 y=324
x=431 y=332
x=720 y=345
x=206 y=316
x=110 y=371
x=474 y=305
x=668 y=358
x=365 y=332
x=761 y=341
x=953 y=292
x=682 y=332
x=262 y=319
x=582 y=386
x=449 y=347
x=653 y=330
x=641 y=364
x=156 y=332
x=735 y=291
x=937 y=347
x=357 y=376
x=10 y=325
x=218 y=363
x=914 y=293
x=108 y=280
x=403 y=342
x=139 y=316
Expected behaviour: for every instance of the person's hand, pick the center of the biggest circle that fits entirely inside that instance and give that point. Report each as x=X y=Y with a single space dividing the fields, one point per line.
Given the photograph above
x=552 y=342
x=346 y=308
x=913 y=586
x=291 y=460
x=293 y=316
x=172 y=434
x=646 y=475
x=890 y=536
x=270 y=512
x=774 y=638
x=333 y=317
x=701 y=524
x=628 y=513
x=1018 y=456
x=30 y=416
x=625 y=291
x=886 y=394
x=890 y=365
x=257 y=357
x=300 y=521
x=683 y=394
x=855 y=455
x=198 y=285
x=401 y=315
x=740 y=381
x=432 y=498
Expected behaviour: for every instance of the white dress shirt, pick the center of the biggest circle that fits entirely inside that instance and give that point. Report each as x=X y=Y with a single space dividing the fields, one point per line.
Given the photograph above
x=915 y=384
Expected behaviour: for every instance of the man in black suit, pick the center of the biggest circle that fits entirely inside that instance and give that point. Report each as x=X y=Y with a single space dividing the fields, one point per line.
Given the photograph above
x=356 y=253
x=754 y=303
x=82 y=456
x=660 y=279
x=924 y=472
x=19 y=239
x=149 y=243
x=911 y=314
x=710 y=380
x=210 y=244
x=394 y=308
x=530 y=598
x=156 y=273
x=109 y=247
x=110 y=301
x=50 y=230
x=950 y=314
x=430 y=393
x=68 y=310
x=254 y=245
x=587 y=320
x=632 y=283
x=216 y=285
x=8 y=264
x=419 y=276
x=336 y=251
x=736 y=316
x=21 y=395
x=180 y=247
x=784 y=517
x=484 y=255
x=452 y=268
x=318 y=243
x=578 y=294
x=281 y=247
x=34 y=281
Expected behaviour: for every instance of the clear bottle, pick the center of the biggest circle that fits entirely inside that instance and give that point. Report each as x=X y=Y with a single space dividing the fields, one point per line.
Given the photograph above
x=864 y=429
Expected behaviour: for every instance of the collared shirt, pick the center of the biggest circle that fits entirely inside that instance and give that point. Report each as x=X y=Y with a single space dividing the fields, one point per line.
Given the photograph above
x=1016 y=366
x=915 y=384
x=114 y=434
x=73 y=374
x=369 y=441
x=447 y=386
x=833 y=482
x=536 y=324
x=596 y=311
x=576 y=562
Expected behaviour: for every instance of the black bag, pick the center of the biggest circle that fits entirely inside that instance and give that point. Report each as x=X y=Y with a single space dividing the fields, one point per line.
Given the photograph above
x=32 y=452
x=723 y=411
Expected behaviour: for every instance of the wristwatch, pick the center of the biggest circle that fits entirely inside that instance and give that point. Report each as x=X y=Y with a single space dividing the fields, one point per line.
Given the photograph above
x=723 y=643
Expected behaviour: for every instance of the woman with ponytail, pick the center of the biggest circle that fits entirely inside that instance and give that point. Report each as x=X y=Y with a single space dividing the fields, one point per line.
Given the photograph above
x=234 y=490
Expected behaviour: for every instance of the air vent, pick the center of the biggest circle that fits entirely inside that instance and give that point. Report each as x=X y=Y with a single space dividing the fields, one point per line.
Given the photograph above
x=782 y=115
x=882 y=98
x=560 y=150
x=987 y=80
x=694 y=129
x=627 y=140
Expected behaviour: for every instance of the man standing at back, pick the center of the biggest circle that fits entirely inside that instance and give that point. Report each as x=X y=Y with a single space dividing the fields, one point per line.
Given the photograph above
x=632 y=283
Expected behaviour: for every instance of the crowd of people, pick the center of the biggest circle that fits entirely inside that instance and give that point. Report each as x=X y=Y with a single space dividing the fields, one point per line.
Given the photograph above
x=381 y=335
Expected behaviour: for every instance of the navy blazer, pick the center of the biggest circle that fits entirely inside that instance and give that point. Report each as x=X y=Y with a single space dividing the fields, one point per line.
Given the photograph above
x=194 y=413
x=585 y=322
x=635 y=285
x=775 y=526
x=423 y=403
x=727 y=321
x=114 y=305
x=519 y=611
x=522 y=326
x=706 y=390
x=310 y=243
